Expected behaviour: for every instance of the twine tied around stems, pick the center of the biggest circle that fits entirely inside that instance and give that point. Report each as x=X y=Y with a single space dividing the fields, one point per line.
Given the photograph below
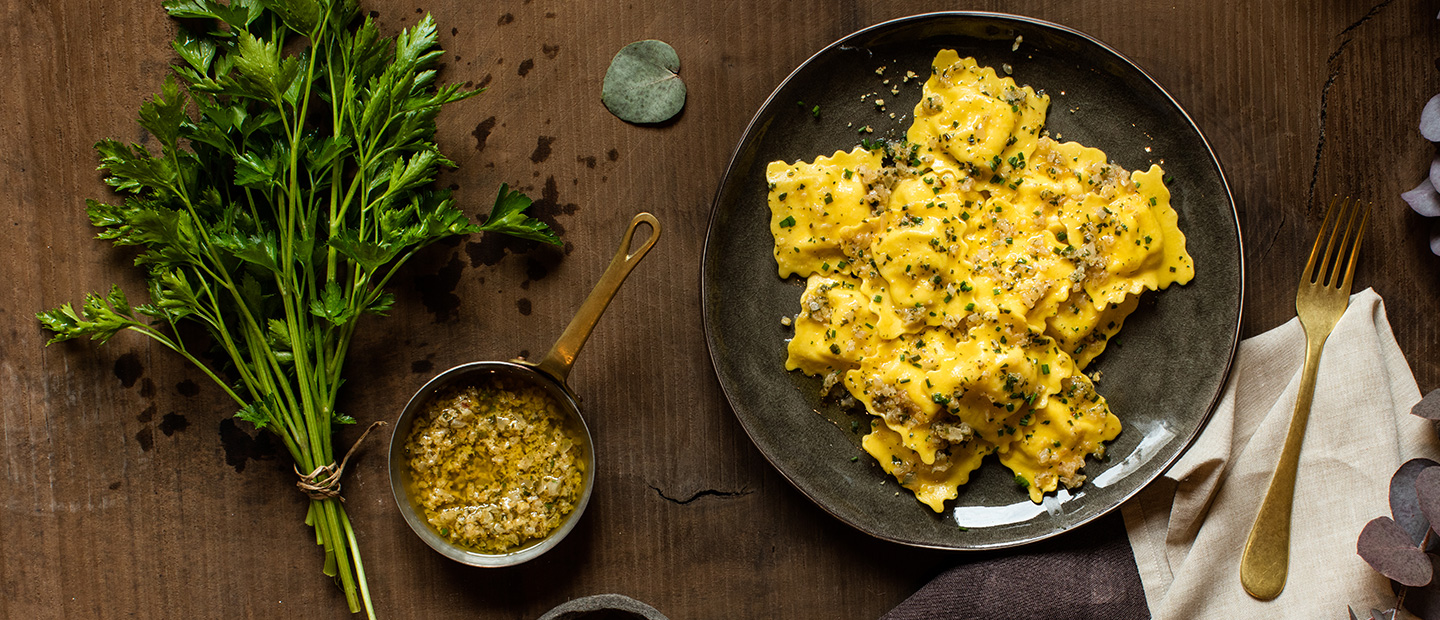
x=324 y=482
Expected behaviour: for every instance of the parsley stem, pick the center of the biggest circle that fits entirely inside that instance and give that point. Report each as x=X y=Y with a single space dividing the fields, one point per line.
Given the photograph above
x=276 y=234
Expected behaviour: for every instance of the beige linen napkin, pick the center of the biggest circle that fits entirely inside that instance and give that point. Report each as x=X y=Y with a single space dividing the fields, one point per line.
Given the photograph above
x=1187 y=528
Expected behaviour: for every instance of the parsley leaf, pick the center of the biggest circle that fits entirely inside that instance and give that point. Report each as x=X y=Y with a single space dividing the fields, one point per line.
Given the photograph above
x=508 y=216
x=289 y=179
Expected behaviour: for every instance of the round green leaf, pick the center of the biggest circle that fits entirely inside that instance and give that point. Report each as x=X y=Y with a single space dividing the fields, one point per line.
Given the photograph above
x=642 y=84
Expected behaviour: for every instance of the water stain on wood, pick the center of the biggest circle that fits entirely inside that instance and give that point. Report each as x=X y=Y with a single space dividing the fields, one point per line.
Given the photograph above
x=551 y=51
x=542 y=149
x=128 y=369
x=491 y=249
x=146 y=415
x=525 y=67
x=437 y=291
x=187 y=388
x=486 y=253
x=505 y=19
x=146 y=439
x=482 y=131
x=147 y=388
x=115 y=485
x=549 y=207
x=613 y=155
x=421 y=367
x=588 y=160
x=550 y=15
x=523 y=305
x=241 y=448
x=483 y=81
x=173 y=423
x=454 y=31
x=536 y=267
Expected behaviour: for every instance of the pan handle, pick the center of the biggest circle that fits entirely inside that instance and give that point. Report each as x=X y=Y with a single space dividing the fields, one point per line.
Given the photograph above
x=561 y=356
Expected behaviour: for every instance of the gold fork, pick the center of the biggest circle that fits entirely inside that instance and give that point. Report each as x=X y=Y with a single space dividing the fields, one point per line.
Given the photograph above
x=1322 y=298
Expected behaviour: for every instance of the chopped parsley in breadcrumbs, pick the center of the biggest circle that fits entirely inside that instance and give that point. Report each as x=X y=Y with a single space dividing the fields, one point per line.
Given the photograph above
x=495 y=466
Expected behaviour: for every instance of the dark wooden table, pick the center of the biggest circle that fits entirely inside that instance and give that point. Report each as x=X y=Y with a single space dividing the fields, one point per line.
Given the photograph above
x=128 y=491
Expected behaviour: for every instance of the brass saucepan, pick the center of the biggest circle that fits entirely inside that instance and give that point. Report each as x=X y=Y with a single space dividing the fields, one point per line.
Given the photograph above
x=550 y=374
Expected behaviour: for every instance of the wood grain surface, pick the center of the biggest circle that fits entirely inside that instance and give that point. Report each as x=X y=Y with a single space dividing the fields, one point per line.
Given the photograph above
x=127 y=490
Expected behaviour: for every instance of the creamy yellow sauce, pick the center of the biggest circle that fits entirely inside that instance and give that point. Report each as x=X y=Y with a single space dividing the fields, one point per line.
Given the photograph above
x=959 y=287
x=495 y=466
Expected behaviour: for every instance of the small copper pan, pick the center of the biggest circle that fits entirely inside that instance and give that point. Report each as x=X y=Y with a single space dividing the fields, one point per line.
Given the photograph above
x=550 y=374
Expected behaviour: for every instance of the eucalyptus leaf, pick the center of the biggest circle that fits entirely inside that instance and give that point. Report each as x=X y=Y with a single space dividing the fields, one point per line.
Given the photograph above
x=1428 y=407
x=1374 y=614
x=1423 y=199
x=1405 y=502
x=643 y=84
x=1387 y=548
x=1430 y=119
x=1427 y=488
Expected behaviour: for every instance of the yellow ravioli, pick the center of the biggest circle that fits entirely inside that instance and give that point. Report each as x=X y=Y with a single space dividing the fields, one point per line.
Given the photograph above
x=960 y=282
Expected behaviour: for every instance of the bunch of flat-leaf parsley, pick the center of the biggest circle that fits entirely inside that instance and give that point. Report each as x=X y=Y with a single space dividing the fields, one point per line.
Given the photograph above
x=293 y=179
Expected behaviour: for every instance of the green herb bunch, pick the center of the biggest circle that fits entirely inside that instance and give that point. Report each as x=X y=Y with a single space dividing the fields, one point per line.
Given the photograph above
x=293 y=179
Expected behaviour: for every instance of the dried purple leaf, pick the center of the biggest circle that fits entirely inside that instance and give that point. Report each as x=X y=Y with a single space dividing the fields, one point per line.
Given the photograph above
x=1374 y=614
x=1423 y=199
x=1428 y=407
x=1430 y=119
x=1427 y=488
x=1405 y=502
x=1387 y=548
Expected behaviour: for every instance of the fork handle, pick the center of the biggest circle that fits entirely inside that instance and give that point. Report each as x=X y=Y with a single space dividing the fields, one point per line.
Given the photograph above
x=1266 y=559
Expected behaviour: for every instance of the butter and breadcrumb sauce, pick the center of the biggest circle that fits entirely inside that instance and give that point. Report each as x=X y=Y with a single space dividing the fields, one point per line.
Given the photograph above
x=495 y=466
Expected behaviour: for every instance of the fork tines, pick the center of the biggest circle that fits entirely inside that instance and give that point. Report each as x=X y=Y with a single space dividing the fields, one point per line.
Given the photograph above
x=1327 y=272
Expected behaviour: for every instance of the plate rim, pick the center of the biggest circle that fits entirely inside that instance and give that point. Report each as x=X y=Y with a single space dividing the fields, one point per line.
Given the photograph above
x=730 y=170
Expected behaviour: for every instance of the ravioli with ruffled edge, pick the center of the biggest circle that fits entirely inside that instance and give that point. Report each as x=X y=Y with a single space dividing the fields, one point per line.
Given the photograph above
x=960 y=281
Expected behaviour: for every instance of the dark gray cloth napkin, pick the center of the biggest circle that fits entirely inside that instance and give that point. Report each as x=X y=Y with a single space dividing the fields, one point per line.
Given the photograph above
x=1087 y=574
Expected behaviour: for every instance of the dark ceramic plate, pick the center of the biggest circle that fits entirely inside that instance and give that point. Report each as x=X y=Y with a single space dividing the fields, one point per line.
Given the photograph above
x=1163 y=373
